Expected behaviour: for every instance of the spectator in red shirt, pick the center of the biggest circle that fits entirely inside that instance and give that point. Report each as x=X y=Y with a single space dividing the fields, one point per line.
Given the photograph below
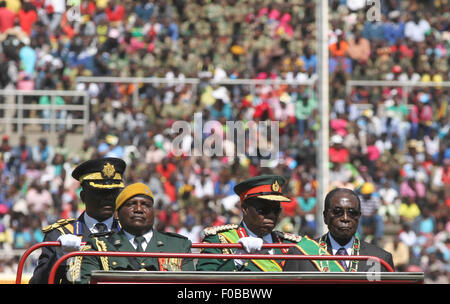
x=7 y=17
x=27 y=17
x=88 y=8
x=339 y=48
x=403 y=49
x=166 y=168
x=170 y=188
x=114 y=12
x=337 y=152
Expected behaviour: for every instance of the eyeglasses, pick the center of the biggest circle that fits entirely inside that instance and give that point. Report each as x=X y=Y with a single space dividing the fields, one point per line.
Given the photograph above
x=338 y=212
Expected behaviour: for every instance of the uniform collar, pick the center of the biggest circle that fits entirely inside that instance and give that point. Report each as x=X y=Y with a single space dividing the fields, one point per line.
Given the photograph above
x=148 y=236
x=267 y=238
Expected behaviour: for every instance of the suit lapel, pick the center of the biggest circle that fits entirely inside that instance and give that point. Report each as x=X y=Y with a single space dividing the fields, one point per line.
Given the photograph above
x=363 y=251
x=80 y=228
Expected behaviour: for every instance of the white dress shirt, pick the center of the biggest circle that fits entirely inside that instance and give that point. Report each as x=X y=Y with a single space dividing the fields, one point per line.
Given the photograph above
x=148 y=236
x=90 y=222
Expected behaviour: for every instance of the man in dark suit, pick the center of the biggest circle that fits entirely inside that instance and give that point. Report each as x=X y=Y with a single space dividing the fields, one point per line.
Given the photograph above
x=260 y=197
x=341 y=214
x=101 y=181
x=135 y=211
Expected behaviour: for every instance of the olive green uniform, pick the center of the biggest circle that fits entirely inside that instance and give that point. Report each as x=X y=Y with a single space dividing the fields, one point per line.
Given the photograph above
x=226 y=234
x=165 y=242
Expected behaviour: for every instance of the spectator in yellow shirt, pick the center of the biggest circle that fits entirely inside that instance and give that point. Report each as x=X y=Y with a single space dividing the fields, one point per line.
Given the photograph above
x=408 y=210
x=400 y=253
x=14 y=5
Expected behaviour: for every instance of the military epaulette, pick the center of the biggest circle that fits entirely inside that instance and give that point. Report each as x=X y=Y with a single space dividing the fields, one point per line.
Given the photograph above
x=290 y=237
x=58 y=224
x=216 y=229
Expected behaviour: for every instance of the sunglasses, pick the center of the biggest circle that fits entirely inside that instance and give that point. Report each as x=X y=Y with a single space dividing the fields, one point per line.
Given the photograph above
x=266 y=210
x=338 y=212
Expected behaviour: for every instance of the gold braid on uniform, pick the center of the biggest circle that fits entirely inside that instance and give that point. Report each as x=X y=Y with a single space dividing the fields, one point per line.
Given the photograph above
x=75 y=265
x=209 y=231
x=59 y=225
x=223 y=240
x=101 y=246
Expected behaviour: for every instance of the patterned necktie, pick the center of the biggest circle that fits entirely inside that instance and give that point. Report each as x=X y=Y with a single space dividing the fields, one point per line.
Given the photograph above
x=139 y=240
x=342 y=251
x=101 y=227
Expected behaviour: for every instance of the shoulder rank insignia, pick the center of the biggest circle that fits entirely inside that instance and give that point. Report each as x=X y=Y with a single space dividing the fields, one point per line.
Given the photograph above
x=59 y=223
x=291 y=237
x=216 y=229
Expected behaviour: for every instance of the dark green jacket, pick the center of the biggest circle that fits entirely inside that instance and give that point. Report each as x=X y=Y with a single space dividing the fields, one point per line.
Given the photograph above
x=214 y=235
x=160 y=242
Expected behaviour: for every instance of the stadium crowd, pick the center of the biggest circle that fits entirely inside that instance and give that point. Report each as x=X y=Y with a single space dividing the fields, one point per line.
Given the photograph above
x=391 y=144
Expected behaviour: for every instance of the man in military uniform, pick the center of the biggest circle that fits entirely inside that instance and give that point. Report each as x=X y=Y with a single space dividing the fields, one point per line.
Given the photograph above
x=135 y=211
x=261 y=199
x=341 y=214
x=101 y=182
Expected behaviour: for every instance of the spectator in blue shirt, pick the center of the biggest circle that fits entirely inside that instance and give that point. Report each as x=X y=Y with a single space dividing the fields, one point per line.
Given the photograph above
x=425 y=223
x=395 y=29
x=20 y=156
x=144 y=9
x=309 y=59
x=373 y=30
x=27 y=57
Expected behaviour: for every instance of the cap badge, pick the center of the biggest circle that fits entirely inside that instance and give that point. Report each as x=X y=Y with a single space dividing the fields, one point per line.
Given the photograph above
x=276 y=186
x=108 y=170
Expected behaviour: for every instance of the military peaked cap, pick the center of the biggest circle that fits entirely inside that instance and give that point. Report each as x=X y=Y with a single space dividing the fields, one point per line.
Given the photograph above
x=102 y=173
x=267 y=187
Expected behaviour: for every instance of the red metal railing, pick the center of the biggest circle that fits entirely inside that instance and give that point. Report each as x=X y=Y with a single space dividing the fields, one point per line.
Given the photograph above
x=187 y=255
x=27 y=253
x=194 y=245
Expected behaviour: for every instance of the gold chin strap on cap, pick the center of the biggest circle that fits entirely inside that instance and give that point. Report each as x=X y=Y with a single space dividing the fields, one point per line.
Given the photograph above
x=110 y=186
x=277 y=198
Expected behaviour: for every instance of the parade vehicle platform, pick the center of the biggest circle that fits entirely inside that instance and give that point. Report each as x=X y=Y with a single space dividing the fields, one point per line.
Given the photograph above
x=209 y=277
x=203 y=277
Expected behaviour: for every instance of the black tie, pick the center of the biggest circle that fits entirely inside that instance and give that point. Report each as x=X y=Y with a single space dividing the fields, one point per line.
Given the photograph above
x=342 y=251
x=139 y=241
x=101 y=227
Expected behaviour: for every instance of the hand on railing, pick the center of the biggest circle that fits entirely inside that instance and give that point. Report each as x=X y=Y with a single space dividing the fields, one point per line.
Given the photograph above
x=69 y=243
x=250 y=244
